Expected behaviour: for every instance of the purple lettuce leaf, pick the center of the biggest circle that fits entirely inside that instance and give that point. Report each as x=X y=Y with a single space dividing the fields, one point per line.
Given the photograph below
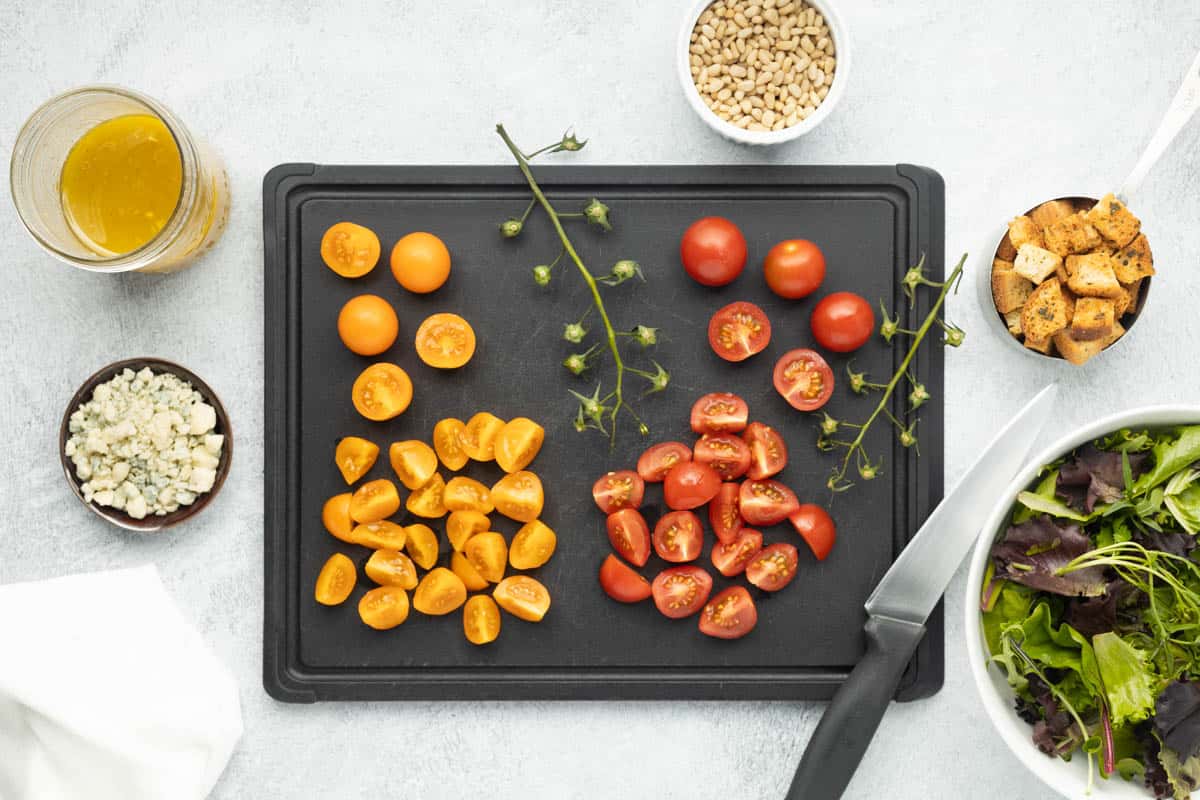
x=1033 y=552
x=1094 y=476
x=1177 y=718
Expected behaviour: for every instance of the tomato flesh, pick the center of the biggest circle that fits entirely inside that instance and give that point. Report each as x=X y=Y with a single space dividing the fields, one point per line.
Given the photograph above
x=842 y=322
x=726 y=453
x=713 y=251
x=738 y=331
x=719 y=412
x=445 y=341
x=382 y=391
x=658 y=459
x=616 y=490
x=729 y=615
x=794 y=268
x=803 y=379
x=768 y=452
x=723 y=513
x=774 y=567
x=766 y=502
x=621 y=583
x=629 y=535
x=731 y=559
x=815 y=525
x=681 y=591
x=689 y=485
x=678 y=537
x=354 y=457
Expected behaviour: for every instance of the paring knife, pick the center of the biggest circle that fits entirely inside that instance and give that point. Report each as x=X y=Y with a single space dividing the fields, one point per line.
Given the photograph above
x=901 y=603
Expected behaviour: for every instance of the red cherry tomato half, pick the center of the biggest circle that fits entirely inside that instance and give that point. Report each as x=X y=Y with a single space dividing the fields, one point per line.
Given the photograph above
x=774 y=567
x=731 y=559
x=766 y=502
x=794 y=268
x=723 y=513
x=726 y=453
x=678 y=537
x=616 y=490
x=629 y=535
x=803 y=379
x=738 y=331
x=768 y=453
x=729 y=615
x=689 y=485
x=681 y=591
x=658 y=459
x=621 y=583
x=713 y=251
x=816 y=526
x=719 y=412
x=842 y=322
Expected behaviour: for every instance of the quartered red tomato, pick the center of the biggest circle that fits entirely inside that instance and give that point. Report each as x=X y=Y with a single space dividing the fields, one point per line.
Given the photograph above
x=731 y=559
x=842 y=322
x=617 y=490
x=629 y=535
x=726 y=453
x=681 y=591
x=723 y=513
x=768 y=453
x=729 y=615
x=658 y=459
x=774 y=567
x=689 y=485
x=719 y=412
x=621 y=583
x=738 y=331
x=766 y=502
x=678 y=537
x=816 y=526
x=803 y=379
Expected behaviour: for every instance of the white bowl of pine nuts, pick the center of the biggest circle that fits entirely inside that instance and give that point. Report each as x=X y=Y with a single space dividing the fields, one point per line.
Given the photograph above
x=763 y=71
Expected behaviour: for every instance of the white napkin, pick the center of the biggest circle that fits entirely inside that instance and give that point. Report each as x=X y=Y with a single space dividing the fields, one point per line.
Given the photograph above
x=108 y=693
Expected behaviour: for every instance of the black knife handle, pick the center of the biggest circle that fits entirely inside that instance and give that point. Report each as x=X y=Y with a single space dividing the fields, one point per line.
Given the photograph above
x=849 y=723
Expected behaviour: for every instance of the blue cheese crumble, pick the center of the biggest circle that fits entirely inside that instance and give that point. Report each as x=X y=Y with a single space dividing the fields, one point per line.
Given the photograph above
x=145 y=444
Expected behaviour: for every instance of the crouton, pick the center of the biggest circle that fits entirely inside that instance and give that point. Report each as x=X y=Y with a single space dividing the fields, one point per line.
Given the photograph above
x=1005 y=250
x=1093 y=319
x=1034 y=263
x=1127 y=303
x=1069 y=299
x=1134 y=261
x=1094 y=277
x=1114 y=221
x=1045 y=312
x=1079 y=351
x=1071 y=235
x=1043 y=346
x=1022 y=231
x=1051 y=212
x=1009 y=289
x=1013 y=320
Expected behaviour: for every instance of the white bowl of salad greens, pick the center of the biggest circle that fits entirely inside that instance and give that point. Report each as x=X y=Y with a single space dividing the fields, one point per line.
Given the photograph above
x=1083 y=609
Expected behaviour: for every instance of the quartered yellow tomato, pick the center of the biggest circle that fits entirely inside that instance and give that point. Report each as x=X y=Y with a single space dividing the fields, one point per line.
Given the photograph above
x=467 y=494
x=481 y=620
x=470 y=576
x=447 y=441
x=354 y=456
x=462 y=525
x=430 y=500
x=479 y=436
x=389 y=567
x=414 y=462
x=374 y=500
x=422 y=545
x=379 y=534
x=382 y=391
x=335 y=581
x=519 y=496
x=384 y=607
x=439 y=592
x=336 y=517
x=488 y=553
x=518 y=443
x=523 y=597
x=532 y=546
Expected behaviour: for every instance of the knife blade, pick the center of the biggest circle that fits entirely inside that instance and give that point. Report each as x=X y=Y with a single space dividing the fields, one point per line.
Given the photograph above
x=901 y=603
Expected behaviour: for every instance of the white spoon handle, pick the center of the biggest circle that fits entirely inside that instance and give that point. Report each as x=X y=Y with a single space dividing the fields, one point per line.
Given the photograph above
x=1182 y=108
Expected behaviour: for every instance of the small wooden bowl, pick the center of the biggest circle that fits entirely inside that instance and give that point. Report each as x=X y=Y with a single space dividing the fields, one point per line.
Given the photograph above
x=116 y=516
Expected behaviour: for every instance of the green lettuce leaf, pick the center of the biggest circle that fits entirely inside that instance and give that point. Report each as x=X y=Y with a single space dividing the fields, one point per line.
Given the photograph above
x=1012 y=604
x=1183 y=775
x=1128 y=681
x=1172 y=453
x=1182 y=499
x=1038 y=504
x=1046 y=489
x=1063 y=648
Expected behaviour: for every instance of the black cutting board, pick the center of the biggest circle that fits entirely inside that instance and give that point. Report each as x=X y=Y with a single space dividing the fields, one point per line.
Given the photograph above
x=871 y=223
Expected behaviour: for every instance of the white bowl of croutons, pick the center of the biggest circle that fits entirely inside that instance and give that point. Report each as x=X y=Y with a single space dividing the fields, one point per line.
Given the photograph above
x=1069 y=278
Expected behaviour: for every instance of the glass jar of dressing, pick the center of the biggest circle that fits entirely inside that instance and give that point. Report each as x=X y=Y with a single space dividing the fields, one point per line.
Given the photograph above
x=109 y=180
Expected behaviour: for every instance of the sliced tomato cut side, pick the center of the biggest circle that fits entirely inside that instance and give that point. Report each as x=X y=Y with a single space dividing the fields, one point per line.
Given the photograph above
x=803 y=379
x=738 y=331
x=768 y=452
x=629 y=535
x=681 y=591
x=766 y=502
x=719 y=412
x=731 y=559
x=658 y=460
x=723 y=513
x=727 y=454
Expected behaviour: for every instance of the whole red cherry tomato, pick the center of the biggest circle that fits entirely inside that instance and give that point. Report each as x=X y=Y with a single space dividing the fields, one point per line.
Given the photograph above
x=713 y=251
x=842 y=322
x=794 y=268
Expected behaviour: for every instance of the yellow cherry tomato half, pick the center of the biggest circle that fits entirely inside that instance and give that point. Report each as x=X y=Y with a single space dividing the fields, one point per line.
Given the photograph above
x=445 y=341
x=517 y=443
x=462 y=525
x=479 y=436
x=430 y=500
x=519 y=496
x=390 y=567
x=383 y=533
x=467 y=494
x=368 y=325
x=382 y=391
x=335 y=516
x=350 y=250
x=384 y=607
x=523 y=597
x=481 y=620
x=414 y=462
x=420 y=262
x=439 y=592
x=336 y=581
x=532 y=546
x=448 y=442
x=422 y=545
x=470 y=576
x=354 y=457
x=488 y=553
x=374 y=500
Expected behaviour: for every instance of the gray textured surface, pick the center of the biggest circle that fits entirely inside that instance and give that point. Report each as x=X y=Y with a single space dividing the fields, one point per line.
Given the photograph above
x=1012 y=102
